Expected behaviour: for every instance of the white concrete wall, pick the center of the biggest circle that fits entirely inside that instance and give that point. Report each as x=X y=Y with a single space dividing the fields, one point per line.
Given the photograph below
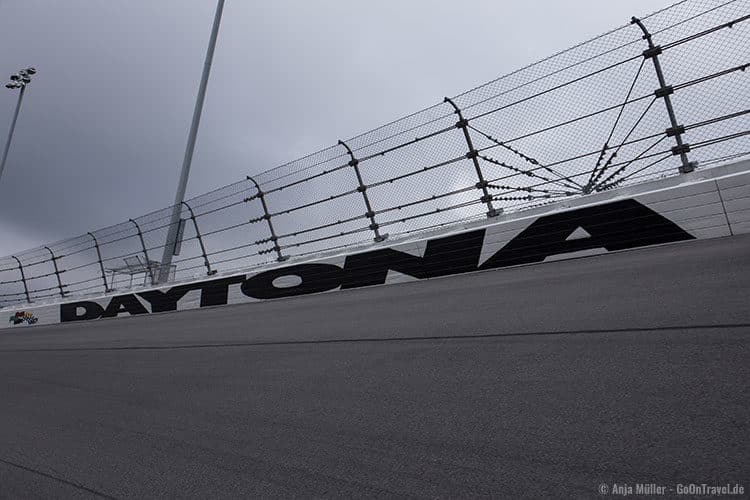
x=707 y=204
x=735 y=194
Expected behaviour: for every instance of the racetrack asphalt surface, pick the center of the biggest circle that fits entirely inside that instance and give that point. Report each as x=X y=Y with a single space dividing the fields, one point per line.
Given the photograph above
x=536 y=381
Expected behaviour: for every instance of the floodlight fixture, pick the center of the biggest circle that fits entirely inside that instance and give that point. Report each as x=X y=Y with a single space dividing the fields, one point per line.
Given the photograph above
x=17 y=81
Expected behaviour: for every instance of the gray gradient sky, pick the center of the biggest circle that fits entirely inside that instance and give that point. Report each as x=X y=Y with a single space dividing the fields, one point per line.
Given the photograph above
x=104 y=124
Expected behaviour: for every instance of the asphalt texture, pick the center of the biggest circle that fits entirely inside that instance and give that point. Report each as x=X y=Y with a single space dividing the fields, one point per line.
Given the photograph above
x=538 y=381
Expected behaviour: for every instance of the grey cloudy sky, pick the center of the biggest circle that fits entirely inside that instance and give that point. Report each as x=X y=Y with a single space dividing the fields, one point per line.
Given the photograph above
x=103 y=127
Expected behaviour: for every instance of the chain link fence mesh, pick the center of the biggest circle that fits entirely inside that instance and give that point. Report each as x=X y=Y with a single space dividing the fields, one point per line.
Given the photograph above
x=590 y=118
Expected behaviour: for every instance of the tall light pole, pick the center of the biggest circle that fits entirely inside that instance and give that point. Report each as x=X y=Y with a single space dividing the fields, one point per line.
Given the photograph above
x=174 y=225
x=17 y=81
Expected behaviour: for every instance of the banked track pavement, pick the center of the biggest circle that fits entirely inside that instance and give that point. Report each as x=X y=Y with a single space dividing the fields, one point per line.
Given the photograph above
x=544 y=380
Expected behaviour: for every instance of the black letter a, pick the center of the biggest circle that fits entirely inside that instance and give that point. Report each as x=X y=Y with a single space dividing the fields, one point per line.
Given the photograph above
x=614 y=226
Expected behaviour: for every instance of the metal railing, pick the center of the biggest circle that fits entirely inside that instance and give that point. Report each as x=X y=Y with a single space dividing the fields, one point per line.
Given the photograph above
x=659 y=96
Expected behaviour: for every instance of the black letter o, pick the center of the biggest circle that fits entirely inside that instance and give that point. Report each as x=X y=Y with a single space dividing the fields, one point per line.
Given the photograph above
x=315 y=278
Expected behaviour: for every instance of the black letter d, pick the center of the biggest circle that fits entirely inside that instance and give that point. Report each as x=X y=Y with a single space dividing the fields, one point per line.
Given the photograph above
x=69 y=312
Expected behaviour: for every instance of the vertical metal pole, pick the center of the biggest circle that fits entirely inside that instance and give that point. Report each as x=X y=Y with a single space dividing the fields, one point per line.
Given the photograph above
x=12 y=129
x=664 y=91
x=145 y=253
x=23 y=279
x=267 y=215
x=472 y=155
x=101 y=264
x=362 y=188
x=57 y=271
x=182 y=185
x=200 y=240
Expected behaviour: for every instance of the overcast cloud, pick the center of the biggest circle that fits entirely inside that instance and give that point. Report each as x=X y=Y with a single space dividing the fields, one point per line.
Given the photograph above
x=103 y=127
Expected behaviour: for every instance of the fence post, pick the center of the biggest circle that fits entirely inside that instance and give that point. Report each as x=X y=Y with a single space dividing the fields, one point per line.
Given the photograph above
x=57 y=271
x=101 y=264
x=267 y=215
x=145 y=253
x=200 y=240
x=362 y=188
x=463 y=123
x=665 y=91
x=23 y=279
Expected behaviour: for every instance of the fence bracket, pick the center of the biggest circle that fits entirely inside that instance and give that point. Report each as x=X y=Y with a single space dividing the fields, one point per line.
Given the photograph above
x=267 y=216
x=57 y=271
x=206 y=262
x=664 y=91
x=101 y=263
x=472 y=155
x=145 y=254
x=362 y=188
x=23 y=279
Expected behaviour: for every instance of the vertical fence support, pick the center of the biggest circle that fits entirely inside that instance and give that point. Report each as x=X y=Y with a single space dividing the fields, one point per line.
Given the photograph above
x=23 y=279
x=362 y=188
x=665 y=91
x=57 y=271
x=267 y=215
x=145 y=253
x=101 y=263
x=206 y=262
x=463 y=123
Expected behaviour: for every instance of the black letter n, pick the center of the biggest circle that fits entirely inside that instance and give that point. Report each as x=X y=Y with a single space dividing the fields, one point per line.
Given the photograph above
x=443 y=256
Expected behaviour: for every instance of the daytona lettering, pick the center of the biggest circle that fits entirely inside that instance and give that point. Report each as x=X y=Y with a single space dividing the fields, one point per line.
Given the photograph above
x=613 y=226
